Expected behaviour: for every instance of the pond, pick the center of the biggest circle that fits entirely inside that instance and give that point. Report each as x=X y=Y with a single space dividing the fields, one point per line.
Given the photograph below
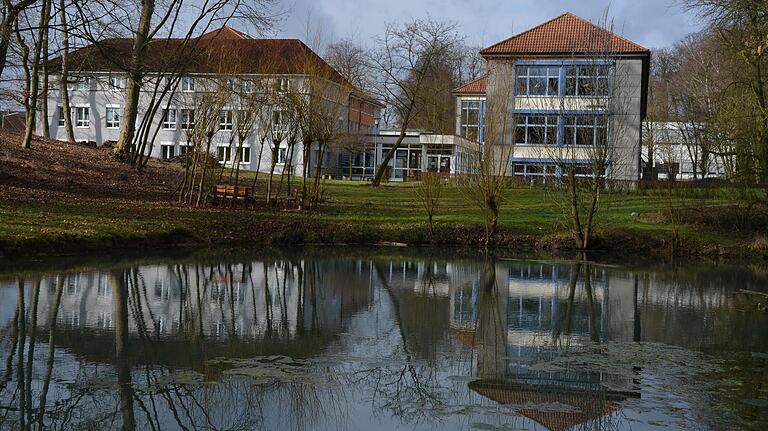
x=337 y=339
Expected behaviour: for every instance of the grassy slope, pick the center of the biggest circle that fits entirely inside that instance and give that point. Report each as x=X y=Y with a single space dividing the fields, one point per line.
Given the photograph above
x=35 y=219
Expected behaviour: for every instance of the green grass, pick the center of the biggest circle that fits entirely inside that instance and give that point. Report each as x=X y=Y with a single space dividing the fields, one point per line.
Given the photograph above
x=354 y=213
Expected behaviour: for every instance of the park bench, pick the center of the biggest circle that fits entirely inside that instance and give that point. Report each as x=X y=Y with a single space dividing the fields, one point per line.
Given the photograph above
x=235 y=193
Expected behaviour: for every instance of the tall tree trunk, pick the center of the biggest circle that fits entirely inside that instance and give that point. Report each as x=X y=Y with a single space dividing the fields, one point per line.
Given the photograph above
x=64 y=77
x=387 y=157
x=135 y=78
x=34 y=79
x=45 y=85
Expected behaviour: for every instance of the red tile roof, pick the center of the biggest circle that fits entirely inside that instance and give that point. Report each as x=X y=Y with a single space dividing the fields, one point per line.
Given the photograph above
x=209 y=53
x=565 y=34
x=474 y=87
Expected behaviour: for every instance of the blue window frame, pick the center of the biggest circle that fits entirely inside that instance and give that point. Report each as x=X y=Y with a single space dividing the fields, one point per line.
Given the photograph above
x=537 y=80
x=536 y=129
x=587 y=80
x=471 y=120
x=585 y=130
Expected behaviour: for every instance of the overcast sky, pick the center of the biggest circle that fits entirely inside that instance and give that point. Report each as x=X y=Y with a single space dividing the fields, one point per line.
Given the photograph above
x=651 y=23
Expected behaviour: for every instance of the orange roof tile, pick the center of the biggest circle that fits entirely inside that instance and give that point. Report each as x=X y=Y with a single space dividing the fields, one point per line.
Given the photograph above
x=474 y=87
x=565 y=34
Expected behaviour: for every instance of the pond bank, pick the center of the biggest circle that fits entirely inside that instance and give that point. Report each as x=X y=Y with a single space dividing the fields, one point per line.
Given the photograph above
x=108 y=226
x=60 y=199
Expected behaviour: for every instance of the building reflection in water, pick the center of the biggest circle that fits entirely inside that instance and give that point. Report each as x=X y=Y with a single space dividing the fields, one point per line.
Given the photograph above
x=96 y=348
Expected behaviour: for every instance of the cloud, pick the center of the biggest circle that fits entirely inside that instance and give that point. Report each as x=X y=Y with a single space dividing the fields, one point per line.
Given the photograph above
x=652 y=23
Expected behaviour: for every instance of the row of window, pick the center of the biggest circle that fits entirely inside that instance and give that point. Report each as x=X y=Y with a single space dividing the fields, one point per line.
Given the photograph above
x=187 y=84
x=224 y=152
x=579 y=130
x=81 y=117
x=564 y=80
x=543 y=169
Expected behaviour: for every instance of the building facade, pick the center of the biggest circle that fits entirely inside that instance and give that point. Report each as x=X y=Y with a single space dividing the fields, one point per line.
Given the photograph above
x=557 y=95
x=183 y=88
x=419 y=152
x=678 y=152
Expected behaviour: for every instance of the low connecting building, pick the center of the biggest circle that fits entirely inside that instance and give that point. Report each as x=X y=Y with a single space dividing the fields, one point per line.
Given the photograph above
x=420 y=151
x=557 y=97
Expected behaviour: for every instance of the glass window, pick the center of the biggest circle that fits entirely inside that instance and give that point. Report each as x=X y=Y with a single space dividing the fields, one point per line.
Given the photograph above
x=587 y=80
x=537 y=80
x=245 y=154
x=279 y=119
x=470 y=119
x=116 y=82
x=223 y=153
x=168 y=151
x=283 y=84
x=61 y=115
x=282 y=155
x=187 y=118
x=113 y=117
x=536 y=130
x=225 y=120
x=82 y=83
x=82 y=116
x=188 y=84
x=586 y=130
x=169 y=119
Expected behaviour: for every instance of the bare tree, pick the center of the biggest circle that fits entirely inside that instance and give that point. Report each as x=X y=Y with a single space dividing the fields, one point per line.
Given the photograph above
x=487 y=181
x=593 y=145
x=154 y=18
x=430 y=191
x=405 y=60
x=351 y=61
x=64 y=73
x=8 y=21
x=31 y=67
x=742 y=28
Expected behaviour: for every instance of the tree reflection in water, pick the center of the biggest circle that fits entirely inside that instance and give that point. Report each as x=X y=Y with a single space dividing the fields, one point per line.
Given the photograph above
x=303 y=343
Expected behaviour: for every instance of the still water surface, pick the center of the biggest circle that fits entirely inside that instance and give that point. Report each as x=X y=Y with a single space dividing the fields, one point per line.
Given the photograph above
x=330 y=340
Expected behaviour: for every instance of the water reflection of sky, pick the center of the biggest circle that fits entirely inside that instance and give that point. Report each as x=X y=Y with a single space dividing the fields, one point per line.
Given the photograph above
x=410 y=343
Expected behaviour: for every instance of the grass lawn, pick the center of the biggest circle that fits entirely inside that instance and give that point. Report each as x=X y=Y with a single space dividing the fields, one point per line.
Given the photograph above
x=73 y=199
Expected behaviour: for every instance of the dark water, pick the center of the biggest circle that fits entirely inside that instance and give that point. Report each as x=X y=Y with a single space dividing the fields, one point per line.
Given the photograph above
x=334 y=340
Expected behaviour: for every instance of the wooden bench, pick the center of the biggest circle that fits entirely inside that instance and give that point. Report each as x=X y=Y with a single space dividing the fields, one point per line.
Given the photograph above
x=237 y=193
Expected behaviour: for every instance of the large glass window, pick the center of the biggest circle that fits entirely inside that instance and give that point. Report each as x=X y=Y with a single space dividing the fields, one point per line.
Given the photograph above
x=585 y=130
x=470 y=119
x=587 y=80
x=536 y=130
x=537 y=80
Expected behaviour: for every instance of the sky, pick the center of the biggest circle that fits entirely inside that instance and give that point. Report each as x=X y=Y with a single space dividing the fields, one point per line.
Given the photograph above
x=650 y=23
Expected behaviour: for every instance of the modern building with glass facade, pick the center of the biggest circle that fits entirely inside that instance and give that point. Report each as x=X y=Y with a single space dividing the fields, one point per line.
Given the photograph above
x=570 y=86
